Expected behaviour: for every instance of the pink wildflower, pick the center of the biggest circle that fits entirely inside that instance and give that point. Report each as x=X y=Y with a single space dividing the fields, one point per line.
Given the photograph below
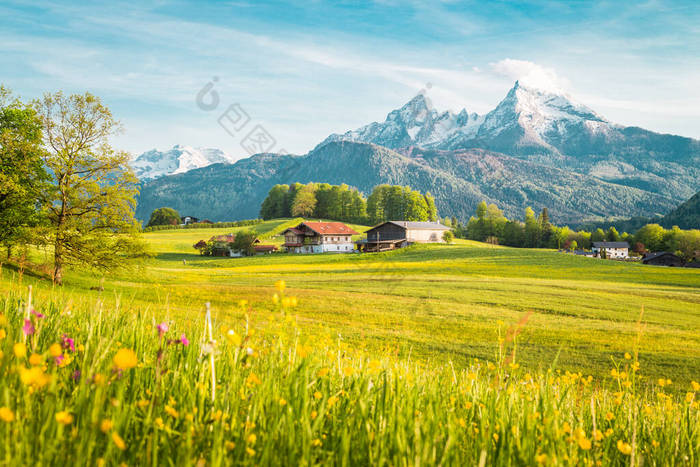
x=37 y=314
x=28 y=327
x=183 y=340
x=162 y=328
x=68 y=343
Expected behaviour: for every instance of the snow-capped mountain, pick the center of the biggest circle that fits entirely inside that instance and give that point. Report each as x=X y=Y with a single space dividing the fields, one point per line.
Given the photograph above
x=414 y=124
x=179 y=159
x=525 y=118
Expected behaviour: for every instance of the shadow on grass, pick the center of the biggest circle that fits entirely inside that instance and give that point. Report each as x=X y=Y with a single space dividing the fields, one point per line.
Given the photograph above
x=28 y=271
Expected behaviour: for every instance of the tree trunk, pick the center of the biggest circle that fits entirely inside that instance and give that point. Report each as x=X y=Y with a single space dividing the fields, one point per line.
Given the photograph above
x=58 y=244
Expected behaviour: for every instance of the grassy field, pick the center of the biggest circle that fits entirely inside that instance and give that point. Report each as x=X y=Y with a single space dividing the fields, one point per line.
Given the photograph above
x=435 y=302
x=459 y=354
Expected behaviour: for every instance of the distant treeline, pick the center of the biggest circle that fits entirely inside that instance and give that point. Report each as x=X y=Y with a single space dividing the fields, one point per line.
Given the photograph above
x=205 y=225
x=346 y=204
x=490 y=225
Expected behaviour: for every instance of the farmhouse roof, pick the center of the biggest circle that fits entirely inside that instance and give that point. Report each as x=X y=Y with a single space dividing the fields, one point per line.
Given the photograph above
x=611 y=244
x=226 y=238
x=265 y=248
x=415 y=225
x=329 y=228
x=658 y=254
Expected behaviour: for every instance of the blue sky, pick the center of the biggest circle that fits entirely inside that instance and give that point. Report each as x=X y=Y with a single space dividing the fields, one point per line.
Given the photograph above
x=306 y=69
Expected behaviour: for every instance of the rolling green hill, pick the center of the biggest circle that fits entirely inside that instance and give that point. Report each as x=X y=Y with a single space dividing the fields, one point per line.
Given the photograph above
x=432 y=301
x=685 y=216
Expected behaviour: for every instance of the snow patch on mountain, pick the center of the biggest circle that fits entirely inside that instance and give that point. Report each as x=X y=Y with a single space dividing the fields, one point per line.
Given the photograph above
x=180 y=159
x=415 y=124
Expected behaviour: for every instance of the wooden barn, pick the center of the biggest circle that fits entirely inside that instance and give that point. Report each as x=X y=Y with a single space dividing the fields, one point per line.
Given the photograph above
x=398 y=234
x=663 y=258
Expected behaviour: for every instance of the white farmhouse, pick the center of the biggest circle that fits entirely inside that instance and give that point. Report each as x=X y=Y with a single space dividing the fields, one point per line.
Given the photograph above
x=319 y=237
x=611 y=250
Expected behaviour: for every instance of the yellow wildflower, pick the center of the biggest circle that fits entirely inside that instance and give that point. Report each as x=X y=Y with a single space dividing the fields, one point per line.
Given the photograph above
x=252 y=438
x=348 y=371
x=584 y=444
x=251 y=452
x=229 y=445
x=35 y=359
x=689 y=397
x=159 y=423
x=118 y=441
x=468 y=405
x=64 y=418
x=541 y=458
x=323 y=372
x=171 y=411
x=3 y=334
x=125 y=359
x=495 y=437
x=314 y=414
x=252 y=380
x=317 y=395
x=7 y=415
x=142 y=403
x=628 y=356
x=55 y=350
x=106 y=425
x=654 y=443
x=280 y=286
x=623 y=447
x=283 y=402
x=20 y=350
x=34 y=376
x=609 y=416
x=695 y=385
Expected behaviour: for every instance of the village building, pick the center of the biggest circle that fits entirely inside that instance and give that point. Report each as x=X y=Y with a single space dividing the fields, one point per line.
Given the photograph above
x=611 y=250
x=319 y=237
x=662 y=258
x=188 y=220
x=222 y=246
x=398 y=234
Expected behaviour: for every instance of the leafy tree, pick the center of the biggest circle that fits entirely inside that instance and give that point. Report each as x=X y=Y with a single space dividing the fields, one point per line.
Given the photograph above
x=304 y=201
x=651 y=236
x=245 y=242
x=273 y=206
x=514 y=234
x=22 y=176
x=202 y=246
x=164 y=216
x=598 y=235
x=612 y=235
x=546 y=229
x=573 y=245
x=448 y=236
x=532 y=229
x=92 y=196
x=432 y=209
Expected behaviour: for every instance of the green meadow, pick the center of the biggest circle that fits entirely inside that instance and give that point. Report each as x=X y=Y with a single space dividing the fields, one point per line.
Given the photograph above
x=429 y=302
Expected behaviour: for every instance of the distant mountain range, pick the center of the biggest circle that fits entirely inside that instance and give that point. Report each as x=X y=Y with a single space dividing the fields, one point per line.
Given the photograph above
x=536 y=148
x=179 y=159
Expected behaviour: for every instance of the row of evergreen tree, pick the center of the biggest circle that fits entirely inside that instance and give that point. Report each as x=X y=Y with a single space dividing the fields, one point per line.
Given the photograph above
x=490 y=225
x=346 y=204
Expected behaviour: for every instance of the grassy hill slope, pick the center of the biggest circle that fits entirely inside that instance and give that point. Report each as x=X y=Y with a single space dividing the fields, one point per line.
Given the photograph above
x=433 y=302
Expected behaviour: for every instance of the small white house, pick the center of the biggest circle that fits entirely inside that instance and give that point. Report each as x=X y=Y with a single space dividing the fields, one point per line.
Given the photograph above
x=611 y=250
